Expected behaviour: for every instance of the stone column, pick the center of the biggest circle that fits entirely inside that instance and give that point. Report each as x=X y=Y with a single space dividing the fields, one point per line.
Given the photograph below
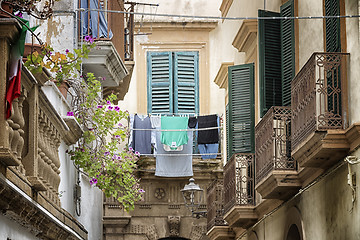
x=9 y=29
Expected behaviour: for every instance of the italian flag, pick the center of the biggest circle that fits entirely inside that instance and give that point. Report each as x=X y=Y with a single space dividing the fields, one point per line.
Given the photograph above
x=17 y=51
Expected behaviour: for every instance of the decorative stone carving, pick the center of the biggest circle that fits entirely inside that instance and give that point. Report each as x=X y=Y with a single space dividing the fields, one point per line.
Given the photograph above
x=197 y=232
x=174 y=225
x=159 y=193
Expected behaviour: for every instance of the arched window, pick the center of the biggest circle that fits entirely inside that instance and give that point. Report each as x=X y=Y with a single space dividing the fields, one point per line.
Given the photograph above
x=293 y=233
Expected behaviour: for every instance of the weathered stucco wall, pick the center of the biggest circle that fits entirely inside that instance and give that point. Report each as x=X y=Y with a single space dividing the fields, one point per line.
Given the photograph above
x=352 y=43
x=310 y=31
x=325 y=211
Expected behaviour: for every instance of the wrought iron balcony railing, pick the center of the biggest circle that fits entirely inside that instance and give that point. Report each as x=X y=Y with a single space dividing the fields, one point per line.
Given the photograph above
x=319 y=96
x=109 y=25
x=272 y=141
x=239 y=181
x=215 y=204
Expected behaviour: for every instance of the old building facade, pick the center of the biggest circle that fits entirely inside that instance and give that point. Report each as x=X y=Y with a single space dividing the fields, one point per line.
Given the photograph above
x=42 y=193
x=291 y=170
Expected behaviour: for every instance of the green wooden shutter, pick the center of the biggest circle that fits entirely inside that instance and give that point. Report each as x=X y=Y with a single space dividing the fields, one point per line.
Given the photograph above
x=241 y=109
x=332 y=25
x=269 y=61
x=186 y=81
x=287 y=51
x=160 y=82
x=333 y=44
x=227 y=132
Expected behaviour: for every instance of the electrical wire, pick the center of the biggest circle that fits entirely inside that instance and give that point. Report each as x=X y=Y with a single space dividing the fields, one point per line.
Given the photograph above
x=220 y=18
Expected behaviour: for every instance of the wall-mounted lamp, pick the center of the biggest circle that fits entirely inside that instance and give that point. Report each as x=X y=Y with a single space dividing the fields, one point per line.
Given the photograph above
x=193 y=196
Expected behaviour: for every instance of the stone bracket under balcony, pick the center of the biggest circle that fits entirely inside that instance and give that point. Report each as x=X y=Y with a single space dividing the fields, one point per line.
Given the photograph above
x=279 y=184
x=221 y=233
x=322 y=149
x=104 y=61
x=241 y=216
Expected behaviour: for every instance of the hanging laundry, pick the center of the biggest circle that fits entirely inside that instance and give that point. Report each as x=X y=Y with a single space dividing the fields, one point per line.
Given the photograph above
x=141 y=140
x=208 y=136
x=173 y=164
x=155 y=124
x=192 y=122
x=208 y=151
x=174 y=139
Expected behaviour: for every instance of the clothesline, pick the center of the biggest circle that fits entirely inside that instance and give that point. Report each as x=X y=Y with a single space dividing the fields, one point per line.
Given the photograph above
x=181 y=154
x=178 y=114
x=174 y=130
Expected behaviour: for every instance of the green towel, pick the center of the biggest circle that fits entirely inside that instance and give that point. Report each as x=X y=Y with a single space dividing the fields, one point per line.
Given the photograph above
x=174 y=139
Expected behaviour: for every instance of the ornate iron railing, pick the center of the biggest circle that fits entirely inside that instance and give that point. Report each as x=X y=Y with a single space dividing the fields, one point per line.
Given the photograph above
x=239 y=181
x=272 y=141
x=215 y=204
x=319 y=96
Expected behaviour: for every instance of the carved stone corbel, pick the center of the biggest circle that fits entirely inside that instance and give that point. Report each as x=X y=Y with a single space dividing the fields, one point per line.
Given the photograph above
x=174 y=225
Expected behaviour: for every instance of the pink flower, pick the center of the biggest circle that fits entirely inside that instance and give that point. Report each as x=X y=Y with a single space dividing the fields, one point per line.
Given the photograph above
x=110 y=107
x=108 y=102
x=99 y=106
x=117 y=109
x=141 y=190
x=67 y=51
x=137 y=153
x=89 y=39
x=70 y=114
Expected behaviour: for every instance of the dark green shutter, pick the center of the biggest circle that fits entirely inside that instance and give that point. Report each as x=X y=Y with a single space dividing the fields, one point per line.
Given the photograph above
x=227 y=132
x=332 y=25
x=287 y=51
x=241 y=109
x=160 y=82
x=269 y=61
x=186 y=82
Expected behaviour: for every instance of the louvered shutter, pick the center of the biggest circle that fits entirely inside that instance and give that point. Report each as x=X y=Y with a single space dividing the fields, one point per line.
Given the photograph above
x=333 y=44
x=186 y=82
x=241 y=109
x=287 y=51
x=227 y=132
x=269 y=61
x=160 y=82
x=332 y=25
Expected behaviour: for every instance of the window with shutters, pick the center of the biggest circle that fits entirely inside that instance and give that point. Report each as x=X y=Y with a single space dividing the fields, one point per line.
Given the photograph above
x=173 y=82
x=276 y=57
x=332 y=26
x=240 y=110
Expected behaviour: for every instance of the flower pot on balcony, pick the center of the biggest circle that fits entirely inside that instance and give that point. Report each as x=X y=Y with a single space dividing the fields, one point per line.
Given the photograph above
x=63 y=88
x=29 y=47
x=6 y=7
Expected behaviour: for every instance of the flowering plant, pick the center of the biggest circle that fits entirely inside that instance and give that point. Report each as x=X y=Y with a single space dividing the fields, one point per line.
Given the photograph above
x=98 y=152
x=37 y=8
x=65 y=66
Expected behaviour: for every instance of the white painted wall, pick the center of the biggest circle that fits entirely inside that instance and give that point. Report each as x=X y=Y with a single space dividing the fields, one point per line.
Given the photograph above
x=352 y=42
x=14 y=231
x=61 y=34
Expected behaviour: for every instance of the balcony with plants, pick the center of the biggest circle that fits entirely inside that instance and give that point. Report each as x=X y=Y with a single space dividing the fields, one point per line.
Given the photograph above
x=112 y=31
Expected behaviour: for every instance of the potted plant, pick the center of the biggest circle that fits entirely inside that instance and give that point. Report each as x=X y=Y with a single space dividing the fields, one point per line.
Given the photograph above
x=63 y=66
